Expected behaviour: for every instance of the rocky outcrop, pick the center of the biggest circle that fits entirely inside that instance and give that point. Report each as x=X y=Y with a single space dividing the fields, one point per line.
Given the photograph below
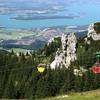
x=68 y=53
x=92 y=33
x=49 y=33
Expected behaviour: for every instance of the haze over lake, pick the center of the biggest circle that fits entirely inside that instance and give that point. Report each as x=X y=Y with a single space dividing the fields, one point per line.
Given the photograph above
x=48 y=13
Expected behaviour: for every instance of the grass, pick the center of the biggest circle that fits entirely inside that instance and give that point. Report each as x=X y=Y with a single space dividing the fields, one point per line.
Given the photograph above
x=90 y=95
x=16 y=50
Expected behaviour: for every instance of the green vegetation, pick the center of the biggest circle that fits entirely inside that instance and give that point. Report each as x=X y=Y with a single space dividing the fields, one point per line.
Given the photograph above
x=97 y=27
x=16 y=50
x=20 y=79
x=53 y=46
x=90 y=95
x=86 y=53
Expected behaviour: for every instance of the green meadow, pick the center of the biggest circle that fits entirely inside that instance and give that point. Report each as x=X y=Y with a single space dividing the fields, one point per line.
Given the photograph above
x=90 y=95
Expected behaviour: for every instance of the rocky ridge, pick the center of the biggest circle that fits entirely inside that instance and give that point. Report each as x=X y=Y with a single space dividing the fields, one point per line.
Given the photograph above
x=92 y=33
x=68 y=52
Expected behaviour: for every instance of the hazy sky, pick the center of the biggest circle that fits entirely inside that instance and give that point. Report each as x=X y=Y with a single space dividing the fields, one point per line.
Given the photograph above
x=50 y=2
x=53 y=1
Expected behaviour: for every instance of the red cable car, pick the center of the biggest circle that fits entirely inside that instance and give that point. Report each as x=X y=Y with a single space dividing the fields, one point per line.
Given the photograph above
x=96 y=67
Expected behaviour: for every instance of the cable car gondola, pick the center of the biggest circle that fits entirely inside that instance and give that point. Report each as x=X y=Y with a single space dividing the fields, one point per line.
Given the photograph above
x=41 y=68
x=96 y=66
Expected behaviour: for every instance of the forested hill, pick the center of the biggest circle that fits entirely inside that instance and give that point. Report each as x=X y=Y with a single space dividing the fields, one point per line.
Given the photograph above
x=20 y=78
x=2 y=52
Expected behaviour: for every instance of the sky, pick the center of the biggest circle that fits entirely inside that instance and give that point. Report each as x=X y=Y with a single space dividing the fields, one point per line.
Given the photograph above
x=53 y=1
x=86 y=10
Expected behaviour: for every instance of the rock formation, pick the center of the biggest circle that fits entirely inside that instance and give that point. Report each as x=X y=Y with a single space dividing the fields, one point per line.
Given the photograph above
x=92 y=33
x=68 y=53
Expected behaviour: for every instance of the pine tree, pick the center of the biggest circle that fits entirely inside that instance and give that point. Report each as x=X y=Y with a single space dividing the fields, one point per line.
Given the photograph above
x=87 y=81
x=42 y=88
x=9 y=91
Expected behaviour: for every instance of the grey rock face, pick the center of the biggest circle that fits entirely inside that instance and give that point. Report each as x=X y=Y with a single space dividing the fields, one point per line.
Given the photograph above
x=68 y=53
x=92 y=33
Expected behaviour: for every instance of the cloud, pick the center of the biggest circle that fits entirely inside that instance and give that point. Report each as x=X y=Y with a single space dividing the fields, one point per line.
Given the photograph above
x=54 y=1
x=39 y=1
x=34 y=1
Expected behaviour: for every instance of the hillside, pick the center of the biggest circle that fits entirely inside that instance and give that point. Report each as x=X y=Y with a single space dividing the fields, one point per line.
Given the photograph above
x=90 y=95
x=27 y=39
x=2 y=52
x=31 y=39
x=78 y=50
x=20 y=77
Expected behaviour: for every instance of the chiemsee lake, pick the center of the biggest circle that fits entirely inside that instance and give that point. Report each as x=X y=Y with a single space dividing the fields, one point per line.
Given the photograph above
x=29 y=15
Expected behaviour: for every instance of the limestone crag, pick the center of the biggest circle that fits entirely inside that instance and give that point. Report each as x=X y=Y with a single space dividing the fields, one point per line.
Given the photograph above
x=68 y=53
x=92 y=33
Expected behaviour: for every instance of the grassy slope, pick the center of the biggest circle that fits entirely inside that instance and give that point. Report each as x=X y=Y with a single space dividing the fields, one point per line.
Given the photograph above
x=90 y=95
x=16 y=50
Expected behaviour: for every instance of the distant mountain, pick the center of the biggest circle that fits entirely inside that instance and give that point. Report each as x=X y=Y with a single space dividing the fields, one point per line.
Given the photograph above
x=29 y=42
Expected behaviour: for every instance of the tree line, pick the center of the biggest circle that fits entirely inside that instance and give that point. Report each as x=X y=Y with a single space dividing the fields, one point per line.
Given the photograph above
x=20 y=79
